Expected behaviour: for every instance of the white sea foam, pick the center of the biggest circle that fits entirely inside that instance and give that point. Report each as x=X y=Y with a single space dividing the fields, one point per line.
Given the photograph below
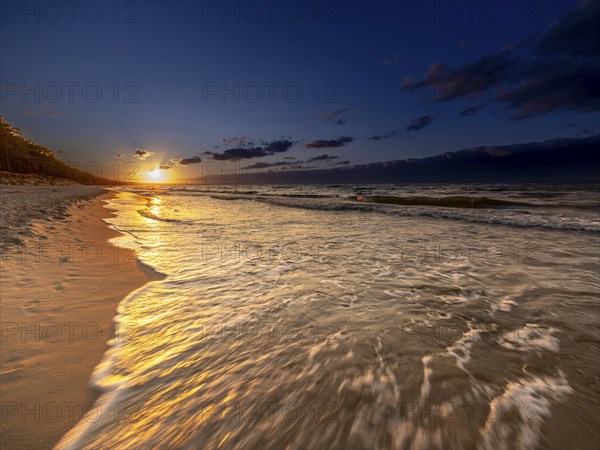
x=531 y=337
x=527 y=400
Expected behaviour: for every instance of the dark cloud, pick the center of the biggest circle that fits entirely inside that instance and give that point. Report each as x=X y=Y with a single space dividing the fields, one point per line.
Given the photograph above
x=554 y=69
x=342 y=163
x=278 y=146
x=192 y=160
x=142 y=153
x=324 y=157
x=330 y=116
x=575 y=35
x=120 y=156
x=334 y=117
x=389 y=60
x=37 y=112
x=186 y=161
x=556 y=86
x=469 y=81
x=164 y=167
x=420 y=122
x=289 y=157
x=331 y=143
x=239 y=153
x=241 y=141
x=383 y=136
x=408 y=81
x=264 y=165
x=472 y=110
x=259 y=165
x=31 y=112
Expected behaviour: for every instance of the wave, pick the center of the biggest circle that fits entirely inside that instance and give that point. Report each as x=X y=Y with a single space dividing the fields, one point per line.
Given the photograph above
x=536 y=393
x=152 y=216
x=455 y=201
x=497 y=216
x=470 y=208
x=212 y=191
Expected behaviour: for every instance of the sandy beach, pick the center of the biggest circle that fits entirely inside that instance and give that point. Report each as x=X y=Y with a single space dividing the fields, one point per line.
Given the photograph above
x=61 y=281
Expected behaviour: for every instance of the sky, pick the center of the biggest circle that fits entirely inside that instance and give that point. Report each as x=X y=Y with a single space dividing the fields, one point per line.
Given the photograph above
x=167 y=87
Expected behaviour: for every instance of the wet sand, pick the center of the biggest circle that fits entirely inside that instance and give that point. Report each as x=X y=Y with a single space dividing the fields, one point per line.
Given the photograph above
x=61 y=281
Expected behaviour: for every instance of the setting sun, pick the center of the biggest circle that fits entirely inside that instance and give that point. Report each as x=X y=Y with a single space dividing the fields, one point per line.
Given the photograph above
x=155 y=175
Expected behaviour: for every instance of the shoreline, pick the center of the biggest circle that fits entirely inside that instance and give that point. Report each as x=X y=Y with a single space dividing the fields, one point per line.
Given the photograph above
x=57 y=309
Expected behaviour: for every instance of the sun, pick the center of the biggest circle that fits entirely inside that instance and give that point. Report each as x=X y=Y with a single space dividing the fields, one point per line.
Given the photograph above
x=155 y=174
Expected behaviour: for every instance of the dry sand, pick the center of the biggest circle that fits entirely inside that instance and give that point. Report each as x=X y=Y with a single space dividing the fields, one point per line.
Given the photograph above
x=22 y=205
x=59 y=291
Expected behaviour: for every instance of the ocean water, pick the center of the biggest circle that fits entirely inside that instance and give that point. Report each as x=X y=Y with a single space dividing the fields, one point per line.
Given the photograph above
x=374 y=316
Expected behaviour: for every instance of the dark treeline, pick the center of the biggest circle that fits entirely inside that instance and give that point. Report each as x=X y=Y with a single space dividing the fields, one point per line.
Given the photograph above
x=19 y=155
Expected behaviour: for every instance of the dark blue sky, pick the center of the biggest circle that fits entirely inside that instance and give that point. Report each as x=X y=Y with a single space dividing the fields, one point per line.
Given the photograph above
x=180 y=79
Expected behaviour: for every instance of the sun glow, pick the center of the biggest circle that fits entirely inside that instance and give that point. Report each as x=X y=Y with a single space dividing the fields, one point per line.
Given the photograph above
x=155 y=175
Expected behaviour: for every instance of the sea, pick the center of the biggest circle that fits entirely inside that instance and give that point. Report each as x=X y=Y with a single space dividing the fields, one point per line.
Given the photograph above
x=354 y=317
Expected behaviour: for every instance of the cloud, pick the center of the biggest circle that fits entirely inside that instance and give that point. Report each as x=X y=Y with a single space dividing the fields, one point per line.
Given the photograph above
x=407 y=82
x=469 y=80
x=185 y=161
x=259 y=165
x=120 y=156
x=420 y=122
x=342 y=163
x=331 y=143
x=554 y=69
x=389 y=60
x=263 y=165
x=31 y=112
x=279 y=146
x=575 y=35
x=188 y=161
x=43 y=110
x=239 y=153
x=141 y=153
x=241 y=141
x=334 y=116
x=557 y=86
x=164 y=167
x=324 y=157
x=383 y=136
x=472 y=110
